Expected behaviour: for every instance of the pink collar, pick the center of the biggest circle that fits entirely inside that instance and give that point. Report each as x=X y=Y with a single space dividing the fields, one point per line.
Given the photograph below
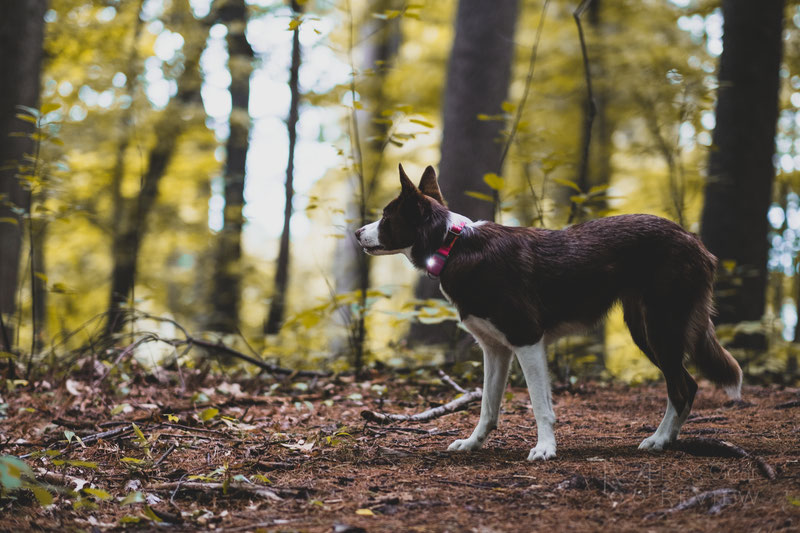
x=435 y=263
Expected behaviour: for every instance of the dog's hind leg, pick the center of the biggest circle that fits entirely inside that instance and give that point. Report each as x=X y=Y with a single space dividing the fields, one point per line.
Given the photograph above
x=496 y=360
x=533 y=360
x=667 y=338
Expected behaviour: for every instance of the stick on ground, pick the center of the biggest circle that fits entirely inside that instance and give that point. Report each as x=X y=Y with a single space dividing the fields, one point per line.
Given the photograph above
x=708 y=447
x=459 y=404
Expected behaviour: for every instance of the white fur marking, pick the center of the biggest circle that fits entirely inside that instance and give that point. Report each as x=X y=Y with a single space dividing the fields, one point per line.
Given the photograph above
x=668 y=429
x=533 y=360
x=369 y=235
x=496 y=360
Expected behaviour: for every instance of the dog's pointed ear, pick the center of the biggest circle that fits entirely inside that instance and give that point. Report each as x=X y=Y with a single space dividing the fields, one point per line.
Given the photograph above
x=429 y=186
x=407 y=185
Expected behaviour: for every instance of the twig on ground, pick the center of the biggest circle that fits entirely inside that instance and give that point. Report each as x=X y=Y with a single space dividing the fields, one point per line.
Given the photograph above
x=713 y=418
x=166 y=454
x=219 y=347
x=447 y=379
x=787 y=405
x=255 y=490
x=720 y=498
x=708 y=447
x=459 y=404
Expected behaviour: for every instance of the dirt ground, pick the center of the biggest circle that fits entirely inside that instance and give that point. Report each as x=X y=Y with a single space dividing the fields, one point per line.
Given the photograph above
x=298 y=456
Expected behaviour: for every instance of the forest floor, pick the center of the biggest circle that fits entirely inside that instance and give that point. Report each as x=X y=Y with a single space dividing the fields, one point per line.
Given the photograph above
x=298 y=456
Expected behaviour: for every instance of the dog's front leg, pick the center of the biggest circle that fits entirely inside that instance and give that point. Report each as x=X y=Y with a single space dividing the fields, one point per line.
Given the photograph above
x=496 y=360
x=533 y=360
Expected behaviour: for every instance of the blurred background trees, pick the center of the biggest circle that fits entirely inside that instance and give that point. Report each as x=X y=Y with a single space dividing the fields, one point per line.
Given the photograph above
x=207 y=162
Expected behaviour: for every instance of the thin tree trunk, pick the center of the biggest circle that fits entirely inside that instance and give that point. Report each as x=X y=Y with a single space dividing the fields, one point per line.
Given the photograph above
x=739 y=187
x=21 y=35
x=352 y=265
x=227 y=277
x=278 y=303
x=133 y=216
x=594 y=167
x=478 y=77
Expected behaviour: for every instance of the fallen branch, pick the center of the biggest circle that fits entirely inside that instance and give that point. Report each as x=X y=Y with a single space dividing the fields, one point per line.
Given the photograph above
x=447 y=379
x=787 y=405
x=708 y=447
x=720 y=499
x=459 y=404
x=221 y=348
x=713 y=418
x=255 y=490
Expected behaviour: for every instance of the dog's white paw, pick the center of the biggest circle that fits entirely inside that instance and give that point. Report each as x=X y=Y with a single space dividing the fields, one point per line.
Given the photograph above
x=542 y=451
x=654 y=443
x=465 y=445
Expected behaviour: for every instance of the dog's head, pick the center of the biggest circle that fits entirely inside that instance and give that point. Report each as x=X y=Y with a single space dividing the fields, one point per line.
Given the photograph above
x=405 y=218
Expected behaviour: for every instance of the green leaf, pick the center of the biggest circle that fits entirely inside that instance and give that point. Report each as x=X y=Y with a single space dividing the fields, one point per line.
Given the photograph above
x=12 y=469
x=132 y=460
x=69 y=435
x=119 y=408
x=7 y=355
x=208 y=414
x=133 y=497
x=494 y=181
x=9 y=220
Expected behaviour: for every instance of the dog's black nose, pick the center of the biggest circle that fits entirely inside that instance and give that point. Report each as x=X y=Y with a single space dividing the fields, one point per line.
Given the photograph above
x=359 y=231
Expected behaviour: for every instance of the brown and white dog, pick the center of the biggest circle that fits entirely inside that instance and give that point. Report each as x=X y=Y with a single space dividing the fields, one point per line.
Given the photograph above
x=517 y=289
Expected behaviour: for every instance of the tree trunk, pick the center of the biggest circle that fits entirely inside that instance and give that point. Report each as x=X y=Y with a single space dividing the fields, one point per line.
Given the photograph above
x=226 y=282
x=739 y=187
x=21 y=34
x=132 y=222
x=352 y=265
x=594 y=170
x=478 y=76
x=278 y=303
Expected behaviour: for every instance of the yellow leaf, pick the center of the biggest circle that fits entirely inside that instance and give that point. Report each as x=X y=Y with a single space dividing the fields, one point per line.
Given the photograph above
x=26 y=118
x=365 y=512
x=294 y=24
x=9 y=220
x=49 y=108
x=149 y=513
x=43 y=496
x=421 y=122
x=567 y=183
x=97 y=493
x=173 y=418
x=494 y=181
x=508 y=107
x=208 y=414
x=479 y=196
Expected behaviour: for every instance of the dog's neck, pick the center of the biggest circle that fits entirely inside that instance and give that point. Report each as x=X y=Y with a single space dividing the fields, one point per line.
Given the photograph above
x=434 y=233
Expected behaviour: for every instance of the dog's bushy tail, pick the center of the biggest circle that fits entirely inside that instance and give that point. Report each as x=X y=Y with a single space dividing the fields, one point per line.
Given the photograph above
x=717 y=364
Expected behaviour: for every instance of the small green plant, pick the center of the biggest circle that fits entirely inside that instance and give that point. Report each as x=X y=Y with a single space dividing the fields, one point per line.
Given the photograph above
x=15 y=474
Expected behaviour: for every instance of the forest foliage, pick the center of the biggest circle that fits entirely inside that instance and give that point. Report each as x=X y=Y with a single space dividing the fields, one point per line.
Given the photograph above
x=134 y=167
